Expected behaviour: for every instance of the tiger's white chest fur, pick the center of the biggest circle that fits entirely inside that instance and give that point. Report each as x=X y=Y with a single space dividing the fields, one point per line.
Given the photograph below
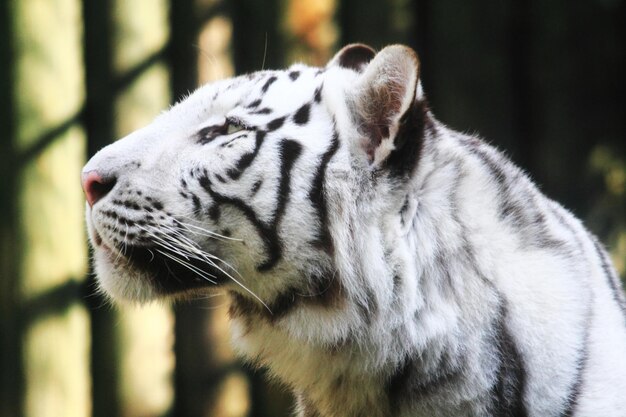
x=378 y=263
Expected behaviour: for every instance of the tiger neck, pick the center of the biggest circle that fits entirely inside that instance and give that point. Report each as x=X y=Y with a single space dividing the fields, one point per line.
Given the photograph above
x=386 y=317
x=334 y=380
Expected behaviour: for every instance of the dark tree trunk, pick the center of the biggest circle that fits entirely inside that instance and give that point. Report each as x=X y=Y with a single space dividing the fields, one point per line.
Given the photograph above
x=11 y=326
x=98 y=123
x=520 y=61
x=260 y=45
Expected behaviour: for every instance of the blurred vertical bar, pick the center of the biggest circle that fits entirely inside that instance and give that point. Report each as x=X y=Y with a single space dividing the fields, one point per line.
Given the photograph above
x=11 y=376
x=357 y=20
x=98 y=123
x=197 y=375
x=182 y=47
x=420 y=38
x=190 y=346
x=143 y=334
x=379 y=24
x=209 y=380
x=50 y=235
x=257 y=43
x=522 y=88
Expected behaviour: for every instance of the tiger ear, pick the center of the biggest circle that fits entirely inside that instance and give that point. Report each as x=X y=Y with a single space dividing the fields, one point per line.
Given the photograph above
x=383 y=94
x=355 y=56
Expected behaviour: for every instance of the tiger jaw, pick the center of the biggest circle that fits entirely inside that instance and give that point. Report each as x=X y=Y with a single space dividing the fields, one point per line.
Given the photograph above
x=137 y=260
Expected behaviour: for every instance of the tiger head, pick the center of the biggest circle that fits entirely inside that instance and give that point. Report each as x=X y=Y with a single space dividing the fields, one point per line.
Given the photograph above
x=272 y=185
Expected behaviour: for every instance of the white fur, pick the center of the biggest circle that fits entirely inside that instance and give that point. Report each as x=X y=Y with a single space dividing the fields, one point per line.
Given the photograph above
x=552 y=297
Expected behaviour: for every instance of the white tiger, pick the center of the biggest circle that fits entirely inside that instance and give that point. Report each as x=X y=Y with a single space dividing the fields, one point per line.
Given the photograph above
x=378 y=263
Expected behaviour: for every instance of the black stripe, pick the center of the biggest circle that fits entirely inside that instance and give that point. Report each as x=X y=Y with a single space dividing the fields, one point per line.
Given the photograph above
x=324 y=290
x=264 y=110
x=611 y=277
x=567 y=225
x=520 y=212
x=317 y=97
x=247 y=159
x=575 y=389
x=282 y=305
x=275 y=124
x=403 y=210
x=302 y=115
x=131 y=205
x=268 y=83
x=507 y=394
x=515 y=212
x=214 y=212
x=318 y=198
x=254 y=104
x=294 y=75
x=264 y=230
x=397 y=285
x=411 y=383
x=255 y=187
x=409 y=140
x=197 y=207
x=289 y=151
x=506 y=207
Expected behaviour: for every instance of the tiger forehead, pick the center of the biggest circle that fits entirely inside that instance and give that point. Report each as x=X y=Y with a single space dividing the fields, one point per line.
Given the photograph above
x=264 y=93
x=280 y=90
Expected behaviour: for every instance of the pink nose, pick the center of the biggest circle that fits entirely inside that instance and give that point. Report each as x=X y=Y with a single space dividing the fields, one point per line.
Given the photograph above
x=95 y=186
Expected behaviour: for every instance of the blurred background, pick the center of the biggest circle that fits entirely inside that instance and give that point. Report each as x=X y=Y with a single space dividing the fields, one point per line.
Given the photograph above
x=544 y=81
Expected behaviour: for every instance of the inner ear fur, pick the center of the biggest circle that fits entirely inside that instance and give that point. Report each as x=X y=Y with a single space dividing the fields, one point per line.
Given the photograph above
x=384 y=92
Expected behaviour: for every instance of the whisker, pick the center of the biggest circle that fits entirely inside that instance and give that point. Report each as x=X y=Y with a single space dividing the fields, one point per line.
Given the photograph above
x=195 y=249
x=124 y=244
x=245 y=288
x=178 y=245
x=170 y=271
x=160 y=240
x=204 y=232
x=198 y=253
x=167 y=245
x=264 y=53
x=201 y=273
x=190 y=244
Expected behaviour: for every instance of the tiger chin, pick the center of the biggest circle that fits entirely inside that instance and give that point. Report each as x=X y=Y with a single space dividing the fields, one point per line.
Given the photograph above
x=377 y=262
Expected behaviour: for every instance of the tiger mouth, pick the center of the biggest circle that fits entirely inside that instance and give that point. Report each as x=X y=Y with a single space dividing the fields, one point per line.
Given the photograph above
x=169 y=272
